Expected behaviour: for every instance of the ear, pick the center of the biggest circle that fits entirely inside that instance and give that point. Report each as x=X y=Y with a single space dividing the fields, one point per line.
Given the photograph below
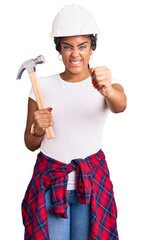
x=91 y=51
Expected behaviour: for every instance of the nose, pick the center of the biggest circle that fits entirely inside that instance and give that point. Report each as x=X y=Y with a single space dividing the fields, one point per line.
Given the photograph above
x=74 y=53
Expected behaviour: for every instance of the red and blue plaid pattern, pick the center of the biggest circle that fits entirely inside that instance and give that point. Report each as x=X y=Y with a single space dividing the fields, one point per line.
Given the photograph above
x=93 y=186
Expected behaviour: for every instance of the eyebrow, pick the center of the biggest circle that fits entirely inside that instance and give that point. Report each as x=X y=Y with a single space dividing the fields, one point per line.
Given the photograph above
x=72 y=46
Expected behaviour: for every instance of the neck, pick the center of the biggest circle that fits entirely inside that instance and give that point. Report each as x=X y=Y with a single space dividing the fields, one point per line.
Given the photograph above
x=74 y=77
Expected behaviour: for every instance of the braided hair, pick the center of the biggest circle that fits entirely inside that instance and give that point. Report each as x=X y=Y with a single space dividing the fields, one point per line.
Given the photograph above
x=93 y=39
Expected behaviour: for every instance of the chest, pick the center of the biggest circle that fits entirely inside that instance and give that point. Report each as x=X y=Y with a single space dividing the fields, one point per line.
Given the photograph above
x=76 y=102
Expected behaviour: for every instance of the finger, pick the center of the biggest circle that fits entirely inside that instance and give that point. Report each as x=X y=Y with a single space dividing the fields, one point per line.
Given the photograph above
x=43 y=116
x=42 y=111
x=100 y=68
x=101 y=75
x=102 y=82
x=92 y=72
x=102 y=72
x=101 y=78
x=46 y=125
x=47 y=110
x=105 y=73
x=50 y=109
x=95 y=85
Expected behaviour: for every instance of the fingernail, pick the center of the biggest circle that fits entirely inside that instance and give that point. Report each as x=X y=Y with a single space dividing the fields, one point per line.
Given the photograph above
x=91 y=69
x=51 y=108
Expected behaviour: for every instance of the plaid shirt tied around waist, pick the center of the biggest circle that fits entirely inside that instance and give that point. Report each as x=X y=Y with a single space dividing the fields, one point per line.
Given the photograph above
x=93 y=186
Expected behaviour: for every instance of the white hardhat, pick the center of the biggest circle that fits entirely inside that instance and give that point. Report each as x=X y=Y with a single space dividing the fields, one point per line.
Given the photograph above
x=73 y=20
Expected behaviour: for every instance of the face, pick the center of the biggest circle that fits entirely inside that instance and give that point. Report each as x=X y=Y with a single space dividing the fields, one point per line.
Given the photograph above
x=75 y=51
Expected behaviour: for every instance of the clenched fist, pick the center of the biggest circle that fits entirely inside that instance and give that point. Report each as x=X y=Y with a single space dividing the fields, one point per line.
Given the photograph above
x=101 y=79
x=43 y=119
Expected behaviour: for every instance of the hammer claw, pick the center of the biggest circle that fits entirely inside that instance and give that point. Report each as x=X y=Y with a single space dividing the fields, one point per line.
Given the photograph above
x=19 y=74
x=30 y=65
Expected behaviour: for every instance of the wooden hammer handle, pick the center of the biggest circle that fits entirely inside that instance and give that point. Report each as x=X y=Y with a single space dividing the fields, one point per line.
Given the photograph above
x=40 y=100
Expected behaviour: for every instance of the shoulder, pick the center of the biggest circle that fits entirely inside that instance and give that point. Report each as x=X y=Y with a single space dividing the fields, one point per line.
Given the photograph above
x=45 y=79
x=48 y=80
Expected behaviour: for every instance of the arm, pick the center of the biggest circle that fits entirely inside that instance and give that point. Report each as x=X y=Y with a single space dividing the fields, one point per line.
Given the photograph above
x=113 y=93
x=43 y=119
x=116 y=99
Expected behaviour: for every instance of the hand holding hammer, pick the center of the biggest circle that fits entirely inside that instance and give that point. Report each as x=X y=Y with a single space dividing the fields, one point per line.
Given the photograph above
x=30 y=66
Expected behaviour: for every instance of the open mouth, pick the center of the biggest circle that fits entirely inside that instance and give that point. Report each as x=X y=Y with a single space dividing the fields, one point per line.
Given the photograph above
x=75 y=63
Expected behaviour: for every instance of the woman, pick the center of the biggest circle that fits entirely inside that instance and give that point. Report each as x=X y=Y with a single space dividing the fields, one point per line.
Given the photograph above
x=70 y=195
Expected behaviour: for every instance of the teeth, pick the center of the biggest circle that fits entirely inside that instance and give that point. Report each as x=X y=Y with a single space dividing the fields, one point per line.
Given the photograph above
x=75 y=62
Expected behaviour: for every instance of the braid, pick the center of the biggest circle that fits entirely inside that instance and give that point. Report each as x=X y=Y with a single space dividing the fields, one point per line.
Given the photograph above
x=93 y=41
x=57 y=41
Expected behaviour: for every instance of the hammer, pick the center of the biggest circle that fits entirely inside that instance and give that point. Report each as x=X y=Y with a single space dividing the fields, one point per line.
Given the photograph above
x=30 y=66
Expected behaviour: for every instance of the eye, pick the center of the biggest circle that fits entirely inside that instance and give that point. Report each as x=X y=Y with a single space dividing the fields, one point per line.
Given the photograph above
x=82 y=47
x=67 y=47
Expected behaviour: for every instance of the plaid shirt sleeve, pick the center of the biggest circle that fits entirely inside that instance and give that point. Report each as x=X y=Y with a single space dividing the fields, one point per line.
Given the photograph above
x=93 y=186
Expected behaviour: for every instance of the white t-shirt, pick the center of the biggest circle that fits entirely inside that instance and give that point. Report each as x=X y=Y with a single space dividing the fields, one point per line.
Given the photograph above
x=79 y=114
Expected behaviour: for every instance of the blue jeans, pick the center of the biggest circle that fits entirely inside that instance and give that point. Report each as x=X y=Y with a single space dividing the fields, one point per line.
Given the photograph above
x=76 y=227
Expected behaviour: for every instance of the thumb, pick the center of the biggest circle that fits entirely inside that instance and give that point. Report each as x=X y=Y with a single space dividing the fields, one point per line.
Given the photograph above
x=50 y=109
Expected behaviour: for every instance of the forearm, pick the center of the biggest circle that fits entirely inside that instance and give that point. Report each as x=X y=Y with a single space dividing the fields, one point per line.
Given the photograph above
x=32 y=142
x=116 y=99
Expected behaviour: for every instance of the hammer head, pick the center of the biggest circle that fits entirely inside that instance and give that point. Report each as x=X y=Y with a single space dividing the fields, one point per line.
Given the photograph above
x=30 y=65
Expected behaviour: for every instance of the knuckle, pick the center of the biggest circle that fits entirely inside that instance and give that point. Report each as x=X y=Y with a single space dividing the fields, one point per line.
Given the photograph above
x=46 y=111
x=36 y=118
x=50 y=116
x=35 y=113
x=98 y=79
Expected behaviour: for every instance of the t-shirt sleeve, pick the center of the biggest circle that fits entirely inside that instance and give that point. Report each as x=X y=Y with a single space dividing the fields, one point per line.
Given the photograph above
x=31 y=94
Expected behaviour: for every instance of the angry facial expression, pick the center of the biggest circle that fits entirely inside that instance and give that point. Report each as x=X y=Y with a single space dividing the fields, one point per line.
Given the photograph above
x=76 y=51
